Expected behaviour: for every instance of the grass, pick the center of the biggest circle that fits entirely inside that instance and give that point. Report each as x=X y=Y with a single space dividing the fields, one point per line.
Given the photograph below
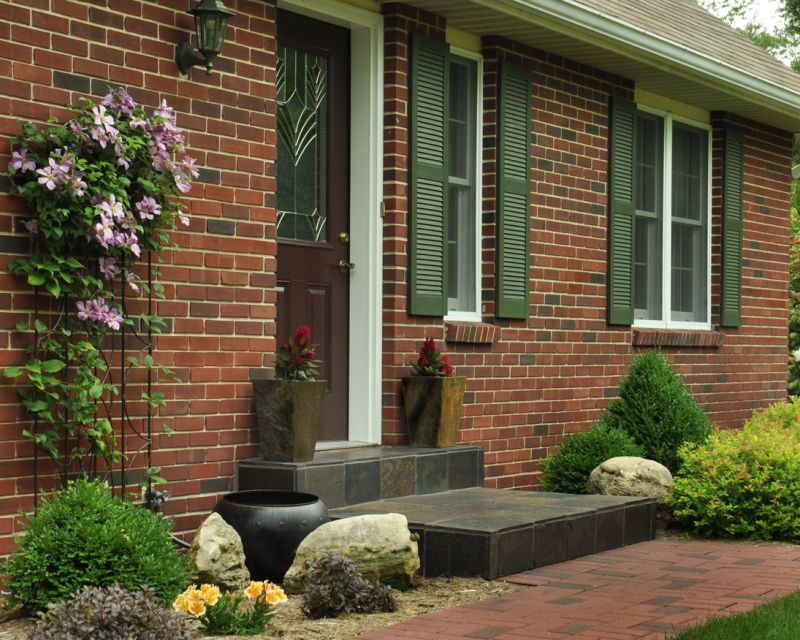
x=776 y=620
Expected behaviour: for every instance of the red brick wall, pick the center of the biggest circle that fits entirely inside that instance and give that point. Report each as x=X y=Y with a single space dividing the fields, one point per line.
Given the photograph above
x=539 y=379
x=220 y=283
x=554 y=373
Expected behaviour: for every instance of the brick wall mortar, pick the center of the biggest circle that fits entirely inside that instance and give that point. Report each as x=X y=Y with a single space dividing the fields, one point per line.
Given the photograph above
x=553 y=374
x=536 y=381
x=218 y=282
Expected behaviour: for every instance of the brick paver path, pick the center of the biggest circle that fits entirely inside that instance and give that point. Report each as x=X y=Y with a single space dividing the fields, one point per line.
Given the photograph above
x=648 y=590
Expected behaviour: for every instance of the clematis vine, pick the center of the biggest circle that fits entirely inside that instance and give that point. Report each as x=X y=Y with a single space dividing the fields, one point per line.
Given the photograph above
x=104 y=190
x=104 y=187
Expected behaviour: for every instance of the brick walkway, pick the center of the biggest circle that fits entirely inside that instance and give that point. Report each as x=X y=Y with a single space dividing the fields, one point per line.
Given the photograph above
x=648 y=590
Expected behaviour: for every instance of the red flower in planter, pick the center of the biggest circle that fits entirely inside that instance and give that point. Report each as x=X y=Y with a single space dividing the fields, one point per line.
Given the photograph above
x=431 y=362
x=295 y=359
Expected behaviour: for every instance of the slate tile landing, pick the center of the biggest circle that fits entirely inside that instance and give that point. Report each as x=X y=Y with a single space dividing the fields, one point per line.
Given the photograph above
x=464 y=529
x=345 y=477
x=499 y=532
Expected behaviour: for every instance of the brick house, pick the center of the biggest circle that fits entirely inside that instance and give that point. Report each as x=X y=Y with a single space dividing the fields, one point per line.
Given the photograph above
x=542 y=187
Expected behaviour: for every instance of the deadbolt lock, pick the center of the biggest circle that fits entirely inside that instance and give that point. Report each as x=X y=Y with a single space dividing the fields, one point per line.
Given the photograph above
x=344 y=237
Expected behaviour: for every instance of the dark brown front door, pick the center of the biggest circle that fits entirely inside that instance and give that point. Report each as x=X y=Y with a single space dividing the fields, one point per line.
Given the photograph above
x=313 y=177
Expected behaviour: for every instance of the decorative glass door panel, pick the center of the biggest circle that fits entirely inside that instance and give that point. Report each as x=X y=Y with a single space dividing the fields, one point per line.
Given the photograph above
x=301 y=84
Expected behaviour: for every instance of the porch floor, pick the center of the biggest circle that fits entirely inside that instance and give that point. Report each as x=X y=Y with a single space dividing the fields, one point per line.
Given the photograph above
x=498 y=532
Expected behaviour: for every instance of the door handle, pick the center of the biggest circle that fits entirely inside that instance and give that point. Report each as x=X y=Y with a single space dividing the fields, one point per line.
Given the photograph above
x=345 y=266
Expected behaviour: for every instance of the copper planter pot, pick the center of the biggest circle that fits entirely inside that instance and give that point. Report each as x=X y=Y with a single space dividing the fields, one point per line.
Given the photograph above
x=433 y=409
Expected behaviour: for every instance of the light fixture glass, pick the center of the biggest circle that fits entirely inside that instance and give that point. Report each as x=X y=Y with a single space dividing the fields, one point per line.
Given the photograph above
x=210 y=21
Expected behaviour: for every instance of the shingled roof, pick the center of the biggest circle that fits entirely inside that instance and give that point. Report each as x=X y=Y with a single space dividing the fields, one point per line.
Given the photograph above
x=671 y=47
x=687 y=24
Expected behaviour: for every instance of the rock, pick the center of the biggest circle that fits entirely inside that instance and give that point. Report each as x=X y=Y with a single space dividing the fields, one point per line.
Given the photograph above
x=381 y=546
x=216 y=555
x=630 y=476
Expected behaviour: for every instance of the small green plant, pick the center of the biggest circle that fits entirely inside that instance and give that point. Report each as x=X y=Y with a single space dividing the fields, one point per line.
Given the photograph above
x=568 y=470
x=656 y=409
x=336 y=586
x=109 y=613
x=84 y=536
x=245 y=613
x=744 y=484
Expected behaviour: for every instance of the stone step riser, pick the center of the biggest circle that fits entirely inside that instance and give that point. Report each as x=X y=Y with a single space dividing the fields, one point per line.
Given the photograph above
x=353 y=476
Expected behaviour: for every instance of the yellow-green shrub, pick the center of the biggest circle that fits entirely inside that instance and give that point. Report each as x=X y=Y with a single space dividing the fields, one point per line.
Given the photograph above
x=744 y=484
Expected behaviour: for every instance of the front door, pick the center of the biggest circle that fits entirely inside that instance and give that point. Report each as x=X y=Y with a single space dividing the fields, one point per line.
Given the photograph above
x=313 y=199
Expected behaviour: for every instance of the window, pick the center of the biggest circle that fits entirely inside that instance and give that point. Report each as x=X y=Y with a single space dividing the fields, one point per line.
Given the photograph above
x=463 y=248
x=444 y=221
x=671 y=229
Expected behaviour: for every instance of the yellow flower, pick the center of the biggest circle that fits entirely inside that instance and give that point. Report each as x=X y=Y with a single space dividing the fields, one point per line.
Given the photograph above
x=180 y=604
x=197 y=608
x=273 y=594
x=254 y=590
x=210 y=593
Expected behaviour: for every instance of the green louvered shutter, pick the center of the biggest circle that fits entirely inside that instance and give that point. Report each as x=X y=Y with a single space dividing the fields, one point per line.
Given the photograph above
x=733 y=178
x=428 y=188
x=513 y=191
x=621 y=212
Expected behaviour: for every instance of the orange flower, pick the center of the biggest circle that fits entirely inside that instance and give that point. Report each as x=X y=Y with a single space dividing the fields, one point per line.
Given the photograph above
x=253 y=590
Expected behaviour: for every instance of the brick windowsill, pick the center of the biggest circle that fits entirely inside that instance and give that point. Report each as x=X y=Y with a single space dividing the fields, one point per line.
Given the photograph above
x=471 y=332
x=676 y=338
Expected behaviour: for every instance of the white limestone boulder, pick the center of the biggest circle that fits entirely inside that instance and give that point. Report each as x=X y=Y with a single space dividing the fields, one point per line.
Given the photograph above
x=381 y=546
x=217 y=556
x=630 y=476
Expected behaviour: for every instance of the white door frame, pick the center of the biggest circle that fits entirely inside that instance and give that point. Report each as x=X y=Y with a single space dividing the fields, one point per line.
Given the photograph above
x=366 y=194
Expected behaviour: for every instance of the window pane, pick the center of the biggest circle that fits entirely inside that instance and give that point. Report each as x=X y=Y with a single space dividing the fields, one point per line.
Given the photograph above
x=647 y=268
x=689 y=258
x=462 y=212
x=302 y=141
x=649 y=195
x=649 y=162
x=459 y=115
x=688 y=273
x=688 y=173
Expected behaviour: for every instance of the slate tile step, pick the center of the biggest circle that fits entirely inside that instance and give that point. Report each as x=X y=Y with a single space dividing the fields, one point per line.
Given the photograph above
x=498 y=532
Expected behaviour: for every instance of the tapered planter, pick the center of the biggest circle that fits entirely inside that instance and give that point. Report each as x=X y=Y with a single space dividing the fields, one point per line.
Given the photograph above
x=433 y=409
x=288 y=414
x=271 y=525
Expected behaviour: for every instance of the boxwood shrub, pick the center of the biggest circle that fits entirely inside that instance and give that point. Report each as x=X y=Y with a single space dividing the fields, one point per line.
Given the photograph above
x=568 y=470
x=656 y=409
x=83 y=535
x=744 y=484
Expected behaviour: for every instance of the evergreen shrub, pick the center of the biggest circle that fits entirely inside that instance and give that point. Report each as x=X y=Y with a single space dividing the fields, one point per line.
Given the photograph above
x=83 y=535
x=656 y=409
x=568 y=470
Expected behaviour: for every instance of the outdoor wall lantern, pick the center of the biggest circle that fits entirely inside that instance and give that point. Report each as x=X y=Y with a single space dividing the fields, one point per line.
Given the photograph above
x=210 y=21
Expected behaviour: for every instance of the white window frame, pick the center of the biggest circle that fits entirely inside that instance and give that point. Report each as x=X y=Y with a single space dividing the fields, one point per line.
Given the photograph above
x=474 y=315
x=666 y=229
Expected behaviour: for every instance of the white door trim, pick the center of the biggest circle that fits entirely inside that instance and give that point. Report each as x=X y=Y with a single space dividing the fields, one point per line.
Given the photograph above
x=366 y=193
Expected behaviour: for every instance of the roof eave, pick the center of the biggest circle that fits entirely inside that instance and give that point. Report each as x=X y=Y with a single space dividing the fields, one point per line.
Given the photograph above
x=578 y=21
